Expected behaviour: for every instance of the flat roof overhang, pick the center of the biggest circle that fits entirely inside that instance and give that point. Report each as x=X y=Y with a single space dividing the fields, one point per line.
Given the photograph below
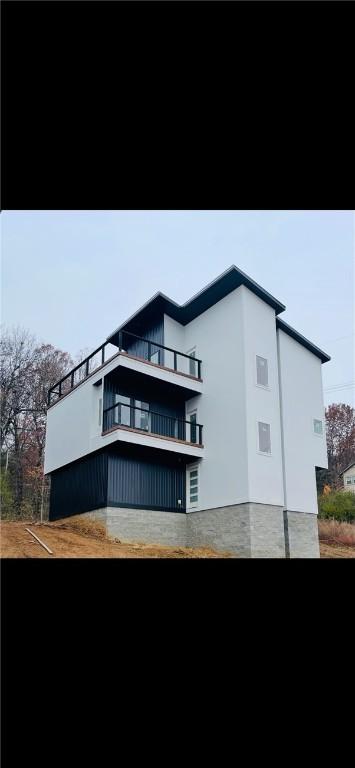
x=159 y=304
x=154 y=380
x=282 y=326
x=149 y=441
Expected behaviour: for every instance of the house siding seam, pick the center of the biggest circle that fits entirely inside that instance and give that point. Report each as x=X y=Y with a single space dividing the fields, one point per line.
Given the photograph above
x=108 y=478
x=153 y=333
x=79 y=487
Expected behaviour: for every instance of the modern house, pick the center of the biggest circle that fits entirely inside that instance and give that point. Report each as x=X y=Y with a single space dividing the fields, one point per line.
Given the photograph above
x=348 y=475
x=199 y=424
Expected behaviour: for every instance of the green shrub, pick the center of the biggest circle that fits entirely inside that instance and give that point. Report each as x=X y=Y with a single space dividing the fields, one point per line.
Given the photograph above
x=338 y=505
x=6 y=500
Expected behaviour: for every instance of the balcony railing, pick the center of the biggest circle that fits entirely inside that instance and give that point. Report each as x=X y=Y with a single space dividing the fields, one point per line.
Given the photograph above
x=132 y=417
x=160 y=355
x=134 y=345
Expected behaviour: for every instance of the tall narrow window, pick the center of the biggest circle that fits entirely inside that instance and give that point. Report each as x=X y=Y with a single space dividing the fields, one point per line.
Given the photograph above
x=262 y=373
x=193 y=486
x=192 y=362
x=193 y=428
x=141 y=416
x=123 y=410
x=264 y=437
x=317 y=426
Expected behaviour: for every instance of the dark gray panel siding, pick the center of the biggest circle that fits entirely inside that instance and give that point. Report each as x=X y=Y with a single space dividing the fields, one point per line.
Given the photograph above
x=79 y=487
x=145 y=483
x=153 y=332
x=165 y=409
x=125 y=476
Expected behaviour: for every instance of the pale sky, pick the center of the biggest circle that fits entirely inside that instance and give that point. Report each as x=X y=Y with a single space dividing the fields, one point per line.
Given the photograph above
x=71 y=277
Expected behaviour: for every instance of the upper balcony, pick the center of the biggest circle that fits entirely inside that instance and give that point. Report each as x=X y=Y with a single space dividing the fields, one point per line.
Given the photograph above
x=137 y=353
x=123 y=415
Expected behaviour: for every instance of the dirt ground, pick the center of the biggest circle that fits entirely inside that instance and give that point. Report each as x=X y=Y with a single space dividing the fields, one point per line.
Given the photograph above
x=335 y=550
x=66 y=542
x=75 y=539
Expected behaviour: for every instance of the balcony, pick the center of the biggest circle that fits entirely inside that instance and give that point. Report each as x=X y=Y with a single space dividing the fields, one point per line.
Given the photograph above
x=141 y=420
x=134 y=348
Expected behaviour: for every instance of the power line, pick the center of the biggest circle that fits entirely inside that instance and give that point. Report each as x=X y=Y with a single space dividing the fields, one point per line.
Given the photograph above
x=340 y=338
x=339 y=386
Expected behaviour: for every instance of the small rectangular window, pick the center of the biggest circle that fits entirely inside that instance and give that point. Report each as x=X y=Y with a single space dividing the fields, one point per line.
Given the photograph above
x=262 y=374
x=264 y=437
x=192 y=362
x=193 y=420
x=318 y=426
x=348 y=480
x=193 y=487
x=141 y=415
x=122 y=414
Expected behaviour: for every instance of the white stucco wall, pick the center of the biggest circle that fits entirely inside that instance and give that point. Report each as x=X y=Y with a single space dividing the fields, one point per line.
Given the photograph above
x=265 y=481
x=73 y=428
x=70 y=426
x=302 y=401
x=227 y=337
x=218 y=337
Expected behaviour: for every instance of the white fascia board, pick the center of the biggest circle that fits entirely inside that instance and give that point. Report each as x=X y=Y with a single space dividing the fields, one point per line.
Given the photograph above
x=140 y=366
x=160 y=373
x=150 y=441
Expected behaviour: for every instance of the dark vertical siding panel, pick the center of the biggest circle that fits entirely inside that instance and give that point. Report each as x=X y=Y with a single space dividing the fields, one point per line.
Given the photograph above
x=79 y=487
x=144 y=483
x=159 y=423
x=153 y=332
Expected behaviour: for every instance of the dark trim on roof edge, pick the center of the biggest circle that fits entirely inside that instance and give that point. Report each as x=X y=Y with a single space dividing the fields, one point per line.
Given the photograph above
x=224 y=284
x=282 y=326
x=352 y=464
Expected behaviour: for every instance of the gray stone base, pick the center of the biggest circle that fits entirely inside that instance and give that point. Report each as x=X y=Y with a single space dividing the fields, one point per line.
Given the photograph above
x=301 y=534
x=244 y=530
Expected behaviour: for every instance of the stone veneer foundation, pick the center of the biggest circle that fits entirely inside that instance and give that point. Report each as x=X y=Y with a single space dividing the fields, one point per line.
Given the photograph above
x=246 y=530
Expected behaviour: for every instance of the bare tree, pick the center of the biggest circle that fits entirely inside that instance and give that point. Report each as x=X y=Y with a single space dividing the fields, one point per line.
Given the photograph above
x=27 y=370
x=340 y=424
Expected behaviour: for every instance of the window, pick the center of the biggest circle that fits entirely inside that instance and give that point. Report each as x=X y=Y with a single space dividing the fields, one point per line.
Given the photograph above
x=141 y=417
x=317 y=426
x=122 y=414
x=264 y=437
x=193 y=486
x=192 y=362
x=350 y=480
x=193 y=419
x=192 y=429
x=155 y=356
x=262 y=374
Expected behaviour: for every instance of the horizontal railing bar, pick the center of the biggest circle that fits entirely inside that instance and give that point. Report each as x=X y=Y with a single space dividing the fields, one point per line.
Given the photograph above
x=154 y=413
x=155 y=344
x=83 y=362
x=106 y=343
